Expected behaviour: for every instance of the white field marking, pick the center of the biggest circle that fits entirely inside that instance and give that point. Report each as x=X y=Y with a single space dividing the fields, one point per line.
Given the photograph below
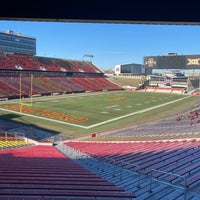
x=104 y=112
x=97 y=124
x=48 y=119
x=112 y=106
x=117 y=109
x=137 y=112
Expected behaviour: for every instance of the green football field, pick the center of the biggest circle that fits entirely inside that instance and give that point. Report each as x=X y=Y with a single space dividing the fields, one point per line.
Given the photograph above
x=75 y=114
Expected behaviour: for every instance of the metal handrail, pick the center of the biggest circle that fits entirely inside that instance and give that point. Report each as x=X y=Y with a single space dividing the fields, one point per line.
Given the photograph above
x=171 y=174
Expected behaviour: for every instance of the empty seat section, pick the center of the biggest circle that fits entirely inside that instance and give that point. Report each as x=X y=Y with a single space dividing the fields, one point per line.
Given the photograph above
x=178 y=157
x=43 y=172
x=50 y=75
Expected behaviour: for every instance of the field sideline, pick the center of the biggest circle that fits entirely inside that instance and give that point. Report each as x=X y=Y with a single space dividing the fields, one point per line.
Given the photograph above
x=91 y=111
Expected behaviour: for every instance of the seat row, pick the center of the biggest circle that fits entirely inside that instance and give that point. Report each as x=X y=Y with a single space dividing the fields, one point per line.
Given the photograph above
x=38 y=172
x=28 y=62
x=159 y=159
x=45 y=85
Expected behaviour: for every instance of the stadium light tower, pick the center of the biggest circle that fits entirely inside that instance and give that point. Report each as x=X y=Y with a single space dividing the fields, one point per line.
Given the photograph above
x=89 y=56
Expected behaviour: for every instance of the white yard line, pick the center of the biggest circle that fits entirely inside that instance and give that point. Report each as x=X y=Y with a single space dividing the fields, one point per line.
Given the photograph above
x=38 y=117
x=134 y=113
x=97 y=124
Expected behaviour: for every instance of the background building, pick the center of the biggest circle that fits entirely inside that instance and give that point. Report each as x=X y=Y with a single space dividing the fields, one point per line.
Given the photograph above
x=131 y=69
x=17 y=43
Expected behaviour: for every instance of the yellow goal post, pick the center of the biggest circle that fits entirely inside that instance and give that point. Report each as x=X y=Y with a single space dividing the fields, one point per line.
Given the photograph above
x=23 y=102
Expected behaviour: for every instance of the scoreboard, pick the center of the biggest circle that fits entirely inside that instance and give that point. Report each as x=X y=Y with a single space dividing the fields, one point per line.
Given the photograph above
x=172 y=62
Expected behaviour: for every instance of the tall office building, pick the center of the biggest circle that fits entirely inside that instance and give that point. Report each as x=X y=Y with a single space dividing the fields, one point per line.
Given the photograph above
x=17 y=43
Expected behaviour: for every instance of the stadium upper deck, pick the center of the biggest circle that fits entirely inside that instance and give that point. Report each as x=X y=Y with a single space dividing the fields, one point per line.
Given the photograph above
x=37 y=63
x=51 y=75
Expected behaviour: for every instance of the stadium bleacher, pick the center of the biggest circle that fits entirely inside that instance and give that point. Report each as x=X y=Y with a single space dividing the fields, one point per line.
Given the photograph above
x=42 y=172
x=122 y=170
x=51 y=75
x=170 y=90
x=175 y=163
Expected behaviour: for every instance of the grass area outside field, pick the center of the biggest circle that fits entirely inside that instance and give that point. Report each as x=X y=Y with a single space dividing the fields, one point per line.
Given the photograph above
x=126 y=81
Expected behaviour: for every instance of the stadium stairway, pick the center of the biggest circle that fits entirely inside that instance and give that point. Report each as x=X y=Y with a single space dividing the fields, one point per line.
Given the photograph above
x=144 y=185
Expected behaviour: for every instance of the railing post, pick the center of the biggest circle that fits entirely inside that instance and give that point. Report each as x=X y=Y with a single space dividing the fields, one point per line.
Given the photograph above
x=150 y=185
x=185 y=188
x=102 y=166
x=121 y=172
x=113 y=166
x=139 y=178
x=121 y=169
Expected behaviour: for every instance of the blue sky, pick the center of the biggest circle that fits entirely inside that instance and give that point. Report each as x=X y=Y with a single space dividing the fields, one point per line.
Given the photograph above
x=110 y=44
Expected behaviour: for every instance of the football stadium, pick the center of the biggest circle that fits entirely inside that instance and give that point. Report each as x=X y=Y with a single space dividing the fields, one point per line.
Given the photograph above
x=70 y=131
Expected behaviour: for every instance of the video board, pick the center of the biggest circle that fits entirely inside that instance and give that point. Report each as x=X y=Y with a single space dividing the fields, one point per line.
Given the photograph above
x=172 y=62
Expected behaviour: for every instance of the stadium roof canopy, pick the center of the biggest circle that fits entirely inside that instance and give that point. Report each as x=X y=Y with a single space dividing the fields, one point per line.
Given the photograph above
x=103 y=11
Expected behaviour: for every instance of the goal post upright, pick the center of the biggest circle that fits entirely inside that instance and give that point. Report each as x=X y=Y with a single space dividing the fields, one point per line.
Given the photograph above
x=31 y=92
x=21 y=103
x=20 y=89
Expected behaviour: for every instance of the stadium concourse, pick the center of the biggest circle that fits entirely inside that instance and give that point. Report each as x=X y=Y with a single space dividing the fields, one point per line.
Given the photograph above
x=158 y=160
